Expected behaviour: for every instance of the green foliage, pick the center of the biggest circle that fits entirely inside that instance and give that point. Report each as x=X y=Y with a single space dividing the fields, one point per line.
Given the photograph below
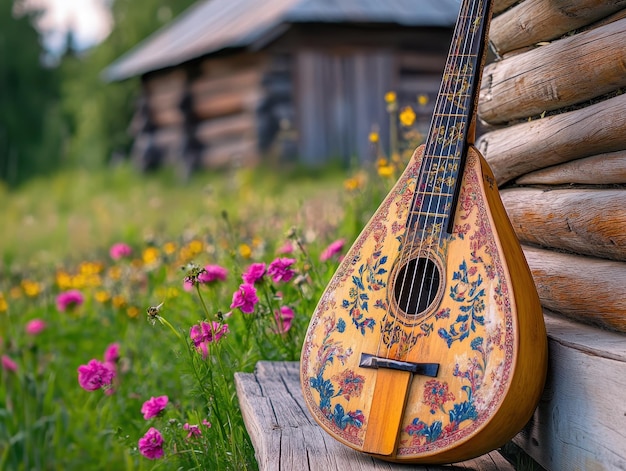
x=232 y=219
x=30 y=136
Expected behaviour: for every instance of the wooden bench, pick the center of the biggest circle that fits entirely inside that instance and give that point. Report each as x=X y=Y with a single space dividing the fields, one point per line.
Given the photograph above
x=286 y=438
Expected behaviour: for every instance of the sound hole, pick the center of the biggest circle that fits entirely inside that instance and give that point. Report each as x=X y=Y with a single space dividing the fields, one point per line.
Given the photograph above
x=416 y=285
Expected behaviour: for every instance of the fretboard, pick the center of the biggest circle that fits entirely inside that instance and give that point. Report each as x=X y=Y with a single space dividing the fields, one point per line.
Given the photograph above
x=447 y=139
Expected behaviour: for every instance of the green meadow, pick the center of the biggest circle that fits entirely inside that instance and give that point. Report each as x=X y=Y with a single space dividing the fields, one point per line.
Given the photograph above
x=146 y=316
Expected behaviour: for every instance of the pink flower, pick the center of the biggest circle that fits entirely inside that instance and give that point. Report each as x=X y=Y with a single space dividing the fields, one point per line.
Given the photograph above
x=69 y=300
x=95 y=375
x=279 y=269
x=286 y=248
x=120 y=250
x=284 y=317
x=212 y=273
x=112 y=353
x=194 y=430
x=333 y=249
x=204 y=334
x=206 y=423
x=151 y=444
x=254 y=273
x=35 y=327
x=8 y=364
x=153 y=406
x=245 y=298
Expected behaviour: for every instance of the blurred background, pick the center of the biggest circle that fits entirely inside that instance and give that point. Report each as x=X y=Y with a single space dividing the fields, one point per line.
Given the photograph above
x=228 y=82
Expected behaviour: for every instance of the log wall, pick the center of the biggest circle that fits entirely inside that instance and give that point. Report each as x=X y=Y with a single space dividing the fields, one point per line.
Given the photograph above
x=554 y=109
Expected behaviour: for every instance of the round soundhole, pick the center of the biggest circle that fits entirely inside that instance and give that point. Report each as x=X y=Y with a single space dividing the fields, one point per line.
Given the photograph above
x=416 y=286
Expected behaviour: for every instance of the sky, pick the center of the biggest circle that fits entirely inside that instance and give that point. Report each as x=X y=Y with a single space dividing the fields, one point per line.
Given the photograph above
x=90 y=21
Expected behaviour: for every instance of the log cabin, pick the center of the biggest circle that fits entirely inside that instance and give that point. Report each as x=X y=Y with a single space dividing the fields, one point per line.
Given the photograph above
x=230 y=82
x=553 y=114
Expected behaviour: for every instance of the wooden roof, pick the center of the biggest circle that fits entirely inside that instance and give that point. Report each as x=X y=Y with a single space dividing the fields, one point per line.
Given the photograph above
x=213 y=25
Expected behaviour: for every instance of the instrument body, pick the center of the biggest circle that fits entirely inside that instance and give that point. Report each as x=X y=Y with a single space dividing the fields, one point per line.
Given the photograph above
x=428 y=345
x=484 y=329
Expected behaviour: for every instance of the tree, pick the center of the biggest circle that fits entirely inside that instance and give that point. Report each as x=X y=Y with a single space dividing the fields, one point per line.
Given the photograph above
x=29 y=137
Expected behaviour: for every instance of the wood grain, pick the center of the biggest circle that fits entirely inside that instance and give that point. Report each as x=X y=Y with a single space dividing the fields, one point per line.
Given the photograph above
x=602 y=169
x=580 y=423
x=525 y=147
x=542 y=79
x=286 y=438
x=584 y=221
x=533 y=21
x=584 y=288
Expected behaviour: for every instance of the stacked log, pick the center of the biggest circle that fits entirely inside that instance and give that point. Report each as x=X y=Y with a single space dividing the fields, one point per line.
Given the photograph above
x=554 y=108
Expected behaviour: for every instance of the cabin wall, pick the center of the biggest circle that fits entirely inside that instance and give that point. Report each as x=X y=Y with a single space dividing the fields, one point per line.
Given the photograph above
x=555 y=111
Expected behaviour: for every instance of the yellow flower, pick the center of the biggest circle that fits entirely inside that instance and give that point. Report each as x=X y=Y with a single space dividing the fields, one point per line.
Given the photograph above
x=90 y=268
x=102 y=296
x=3 y=303
x=245 y=251
x=150 y=255
x=407 y=116
x=132 y=311
x=169 y=292
x=118 y=301
x=385 y=171
x=169 y=248
x=422 y=100
x=195 y=247
x=351 y=184
x=115 y=272
x=374 y=137
x=64 y=280
x=31 y=288
x=390 y=97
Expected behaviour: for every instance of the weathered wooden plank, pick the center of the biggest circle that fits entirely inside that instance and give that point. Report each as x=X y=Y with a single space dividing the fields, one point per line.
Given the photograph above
x=285 y=437
x=534 y=21
x=236 y=80
x=540 y=143
x=243 y=124
x=542 y=79
x=231 y=102
x=585 y=221
x=580 y=423
x=603 y=169
x=585 y=288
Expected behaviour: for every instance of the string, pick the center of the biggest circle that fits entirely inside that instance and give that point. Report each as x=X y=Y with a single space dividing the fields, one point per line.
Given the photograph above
x=456 y=76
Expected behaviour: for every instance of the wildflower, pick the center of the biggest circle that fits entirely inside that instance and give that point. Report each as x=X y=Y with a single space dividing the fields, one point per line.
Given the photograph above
x=245 y=251
x=286 y=248
x=254 y=273
x=118 y=301
x=95 y=375
x=207 y=332
x=245 y=298
x=150 y=255
x=154 y=406
x=169 y=248
x=8 y=364
x=206 y=423
x=64 y=280
x=194 y=430
x=132 y=311
x=333 y=249
x=101 y=296
x=407 y=116
x=112 y=353
x=422 y=100
x=373 y=137
x=151 y=444
x=68 y=300
x=153 y=313
x=284 y=318
x=279 y=269
x=193 y=274
x=212 y=273
x=384 y=168
x=3 y=303
x=390 y=97
x=35 y=327
x=120 y=250
x=31 y=288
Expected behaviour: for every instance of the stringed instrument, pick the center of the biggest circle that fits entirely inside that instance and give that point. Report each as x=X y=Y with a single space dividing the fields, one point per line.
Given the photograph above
x=428 y=345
